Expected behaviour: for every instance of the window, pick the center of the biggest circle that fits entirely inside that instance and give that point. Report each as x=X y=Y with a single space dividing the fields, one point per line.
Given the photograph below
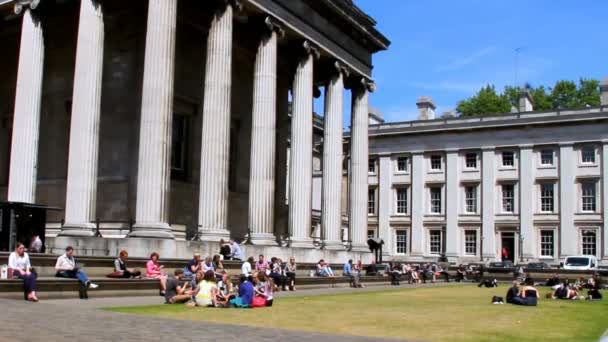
x=401 y=204
x=589 y=242
x=371 y=233
x=547 y=197
x=435 y=162
x=470 y=196
x=435 y=200
x=402 y=164
x=371 y=202
x=508 y=198
x=179 y=140
x=435 y=241
x=546 y=157
x=508 y=159
x=588 y=196
x=470 y=242
x=401 y=241
x=371 y=167
x=546 y=243
x=471 y=160
x=588 y=155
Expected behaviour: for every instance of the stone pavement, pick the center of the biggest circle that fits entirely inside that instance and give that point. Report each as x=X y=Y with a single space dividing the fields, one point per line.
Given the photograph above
x=68 y=319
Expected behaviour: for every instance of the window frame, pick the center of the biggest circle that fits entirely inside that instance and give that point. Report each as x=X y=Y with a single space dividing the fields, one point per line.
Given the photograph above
x=371 y=201
x=542 y=244
x=593 y=155
x=476 y=161
x=432 y=158
x=433 y=205
x=467 y=242
x=543 y=196
x=397 y=241
x=503 y=199
x=467 y=199
x=502 y=159
x=397 y=191
x=583 y=196
x=582 y=242
x=542 y=153
x=397 y=163
x=438 y=243
x=372 y=167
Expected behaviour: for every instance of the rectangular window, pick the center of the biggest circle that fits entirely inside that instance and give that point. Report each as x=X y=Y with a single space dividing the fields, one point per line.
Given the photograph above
x=402 y=164
x=508 y=159
x=508 y=198
x=470 y=194
x=588 y=155
x=471 y=160
x=435 y=162
x=547 y=201
x=401 y=204
x=179 y=140
x=546 y=243
x=546 y=157
x=371 y=233
x=401 y=241
x=371 y=202
x=435 y=241
x=589 y=196
x=371 y=167
x=589 y=242
x=470 y=242
x=435 y=200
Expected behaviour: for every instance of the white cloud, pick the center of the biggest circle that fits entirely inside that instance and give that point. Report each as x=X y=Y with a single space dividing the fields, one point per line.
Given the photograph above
x=459 y=63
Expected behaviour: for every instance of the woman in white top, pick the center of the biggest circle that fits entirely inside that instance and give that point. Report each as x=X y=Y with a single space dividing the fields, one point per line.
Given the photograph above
x=19 y=263
x=246 y=267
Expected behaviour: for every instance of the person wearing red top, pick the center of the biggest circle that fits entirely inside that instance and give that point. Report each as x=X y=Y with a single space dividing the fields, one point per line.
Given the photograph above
x=154 y=270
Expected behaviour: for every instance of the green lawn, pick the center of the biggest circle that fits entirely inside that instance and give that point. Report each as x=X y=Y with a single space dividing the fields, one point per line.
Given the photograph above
x=454 y=313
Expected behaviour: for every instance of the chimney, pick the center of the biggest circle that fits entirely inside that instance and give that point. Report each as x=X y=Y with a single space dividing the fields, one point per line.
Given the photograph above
x=526 y=103
x=426 y=108
x=375 y=116
x=604 y=92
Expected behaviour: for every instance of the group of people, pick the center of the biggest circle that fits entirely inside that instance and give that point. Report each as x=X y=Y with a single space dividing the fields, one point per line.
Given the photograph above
x=416 y=273
x=565 y=289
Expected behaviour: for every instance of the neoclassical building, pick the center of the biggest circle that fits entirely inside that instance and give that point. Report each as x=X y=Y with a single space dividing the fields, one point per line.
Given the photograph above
x=167 y=124
x=534 y=183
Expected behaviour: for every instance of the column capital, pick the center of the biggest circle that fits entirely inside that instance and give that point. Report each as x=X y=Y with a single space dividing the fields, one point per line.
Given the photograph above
x=362 y=83
x=341 y=68
x=273 y=25
x=20 y=4
x=311 y=49
x=236 y=4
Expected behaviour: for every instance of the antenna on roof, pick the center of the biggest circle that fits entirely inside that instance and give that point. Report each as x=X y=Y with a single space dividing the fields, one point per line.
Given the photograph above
x=517 y=51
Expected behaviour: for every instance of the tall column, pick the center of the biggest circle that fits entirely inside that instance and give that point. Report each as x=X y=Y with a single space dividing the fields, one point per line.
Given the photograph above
x=386 y=203
x=300 y=170
x=568 y=200
x=417 y=203
x=359 y=157
x=451 y=204
x=154 y=167
x=215 y=146
x=81 y=190
x=331 y=213
x=526 y=204
x=26 y=122
x=488 y=189
x=604 y=197
x=263 y=139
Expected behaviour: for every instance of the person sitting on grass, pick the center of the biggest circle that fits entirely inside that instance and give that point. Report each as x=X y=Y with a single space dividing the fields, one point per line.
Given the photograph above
x=261 y=265
x=488 y=283
x=323 y=269
x=246 y=291
x=65 y=267
x=528 y=295
x=225 y=292
x=247 y=267
x=120 y=267
x=154 y=270
x=513 y=292
x=594 y=286
x=206 y=291
x=265 y=288
x=553 y=281
x=178 y=291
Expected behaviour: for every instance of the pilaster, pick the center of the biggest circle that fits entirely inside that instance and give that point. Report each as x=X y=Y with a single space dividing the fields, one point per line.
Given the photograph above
x=568 y=198
x=452 y=203
x=417 y=204
x=488 y=193
x=526 y=203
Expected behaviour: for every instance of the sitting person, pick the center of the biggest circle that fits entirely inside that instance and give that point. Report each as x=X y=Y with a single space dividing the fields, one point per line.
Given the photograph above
x=443 y=272
x=246 y=268
x=177 y=291
x=246 y=291
x=154 y=270
x=290 y=274
x=208 y=265
x=225 y=249
x=265 y=288
x=19 y=263
x=225 y=292
x=394 y=272
x=206 y=292
x=553 y=281
x=193 y=267
x=65 y=267
x=349 y=271
x=428 y=272
x=461 y=273
x=120 y=267
x=562 y=291
x=218 y=266
x=323 y=269
x=594 y=287
x=261 y=265
x=415 y=275
x=372 y=269
x=276 y=273
x=36 y=244
x=528 y=296
x=513 y=292
x=488 y=283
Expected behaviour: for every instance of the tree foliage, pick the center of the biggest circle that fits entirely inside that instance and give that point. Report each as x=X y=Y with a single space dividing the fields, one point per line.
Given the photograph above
x=563 y=95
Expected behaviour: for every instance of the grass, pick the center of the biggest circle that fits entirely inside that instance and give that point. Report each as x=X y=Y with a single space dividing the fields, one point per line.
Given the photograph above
x=454 y=313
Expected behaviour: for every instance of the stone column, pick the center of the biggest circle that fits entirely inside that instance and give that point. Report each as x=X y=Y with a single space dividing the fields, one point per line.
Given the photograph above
x=331 y=213
x=417 y=204
x=526 y=202
x=452 y=187
x=300 y=170
x=154 y=167
x=387 y=203
x=604 y=196
x=263 y=139
x=215 y=146
x=26 y=122
x=488 y=189
x=359 y=165
x=568 y=199
x=81 y=193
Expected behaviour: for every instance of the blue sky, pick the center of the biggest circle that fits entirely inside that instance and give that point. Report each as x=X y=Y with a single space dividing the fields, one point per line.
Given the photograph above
x=448 y=49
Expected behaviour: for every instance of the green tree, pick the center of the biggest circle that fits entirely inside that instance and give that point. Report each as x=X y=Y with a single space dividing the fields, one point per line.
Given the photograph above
x=588 y=92
x=565 y=95
x=542 y=98
x=486 y=101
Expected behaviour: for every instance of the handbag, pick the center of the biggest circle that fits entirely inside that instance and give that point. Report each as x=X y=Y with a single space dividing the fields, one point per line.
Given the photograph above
x=258 y=302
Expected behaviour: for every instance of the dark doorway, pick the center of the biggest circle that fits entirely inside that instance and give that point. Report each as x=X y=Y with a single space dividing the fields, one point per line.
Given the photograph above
x=508 y=243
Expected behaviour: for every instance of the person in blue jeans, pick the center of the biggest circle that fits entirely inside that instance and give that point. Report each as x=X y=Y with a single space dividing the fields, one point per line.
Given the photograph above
x=246 y=291
x=66 y=268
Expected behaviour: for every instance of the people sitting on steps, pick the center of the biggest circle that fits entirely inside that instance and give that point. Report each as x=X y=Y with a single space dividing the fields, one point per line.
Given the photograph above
x=19 y=266
x=120 y=267
x=66 y=267
x=154 y=270
x=324 y=270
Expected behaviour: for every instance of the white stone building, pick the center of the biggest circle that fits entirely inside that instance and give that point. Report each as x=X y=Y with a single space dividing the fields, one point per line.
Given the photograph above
x=165 y=124
x=534 y=183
